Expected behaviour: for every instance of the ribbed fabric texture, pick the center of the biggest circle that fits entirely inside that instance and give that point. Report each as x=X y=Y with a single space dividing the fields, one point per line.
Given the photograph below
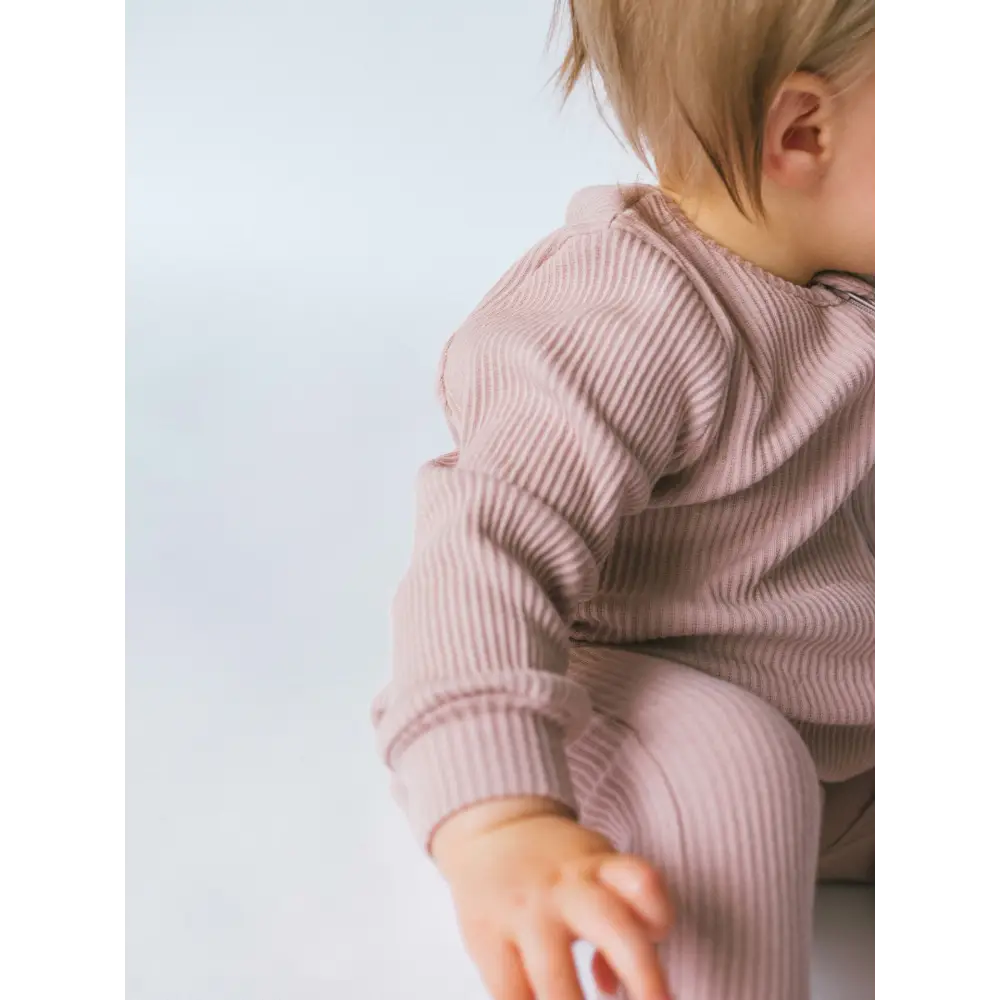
x=713 y=786
x=658 y=445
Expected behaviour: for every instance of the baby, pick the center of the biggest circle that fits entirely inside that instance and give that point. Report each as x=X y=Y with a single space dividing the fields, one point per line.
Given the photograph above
x=633 y=692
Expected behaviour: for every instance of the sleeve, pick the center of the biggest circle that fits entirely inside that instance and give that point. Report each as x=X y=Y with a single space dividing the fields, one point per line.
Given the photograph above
x=570 y=392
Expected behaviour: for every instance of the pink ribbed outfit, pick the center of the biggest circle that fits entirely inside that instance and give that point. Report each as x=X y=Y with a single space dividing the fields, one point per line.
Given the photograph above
x=643 y=581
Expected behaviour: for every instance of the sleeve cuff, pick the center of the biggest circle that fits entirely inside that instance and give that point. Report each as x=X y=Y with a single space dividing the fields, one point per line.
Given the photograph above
x=478 y=757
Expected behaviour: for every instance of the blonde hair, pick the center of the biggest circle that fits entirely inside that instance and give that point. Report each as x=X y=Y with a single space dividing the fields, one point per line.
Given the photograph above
x=691 y=82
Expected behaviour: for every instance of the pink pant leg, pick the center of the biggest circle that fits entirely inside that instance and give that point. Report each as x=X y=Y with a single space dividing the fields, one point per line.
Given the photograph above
x=718 y=790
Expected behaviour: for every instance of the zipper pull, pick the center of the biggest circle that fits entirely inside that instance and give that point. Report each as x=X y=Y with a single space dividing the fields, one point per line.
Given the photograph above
x=866 y=304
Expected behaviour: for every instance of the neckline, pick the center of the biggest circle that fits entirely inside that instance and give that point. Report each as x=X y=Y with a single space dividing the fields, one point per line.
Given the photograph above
x=815 y=292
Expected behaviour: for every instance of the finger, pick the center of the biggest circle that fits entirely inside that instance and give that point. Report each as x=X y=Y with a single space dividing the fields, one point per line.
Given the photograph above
x=547 y=954
x=598 y=916
x=503 y=974
x=604 y=975
x=640 y=885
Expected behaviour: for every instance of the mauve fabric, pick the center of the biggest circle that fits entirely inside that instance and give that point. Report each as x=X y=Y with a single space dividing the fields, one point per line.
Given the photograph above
x=658 y=446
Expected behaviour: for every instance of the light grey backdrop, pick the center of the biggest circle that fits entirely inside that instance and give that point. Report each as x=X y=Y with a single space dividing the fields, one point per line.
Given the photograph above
x=319 y=192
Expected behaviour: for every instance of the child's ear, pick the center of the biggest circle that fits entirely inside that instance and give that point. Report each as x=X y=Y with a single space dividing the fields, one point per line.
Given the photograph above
x=797 y=135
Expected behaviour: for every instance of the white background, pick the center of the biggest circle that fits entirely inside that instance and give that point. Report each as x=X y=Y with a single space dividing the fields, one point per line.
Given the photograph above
x=319 y=192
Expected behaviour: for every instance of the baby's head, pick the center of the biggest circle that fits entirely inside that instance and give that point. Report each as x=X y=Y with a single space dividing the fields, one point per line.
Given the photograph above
x=768 y=105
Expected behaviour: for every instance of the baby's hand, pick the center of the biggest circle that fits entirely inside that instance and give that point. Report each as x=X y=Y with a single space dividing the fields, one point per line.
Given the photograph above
x=528 y=881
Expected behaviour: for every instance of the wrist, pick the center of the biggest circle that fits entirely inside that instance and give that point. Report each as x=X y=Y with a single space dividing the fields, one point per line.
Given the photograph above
x=483 y=817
